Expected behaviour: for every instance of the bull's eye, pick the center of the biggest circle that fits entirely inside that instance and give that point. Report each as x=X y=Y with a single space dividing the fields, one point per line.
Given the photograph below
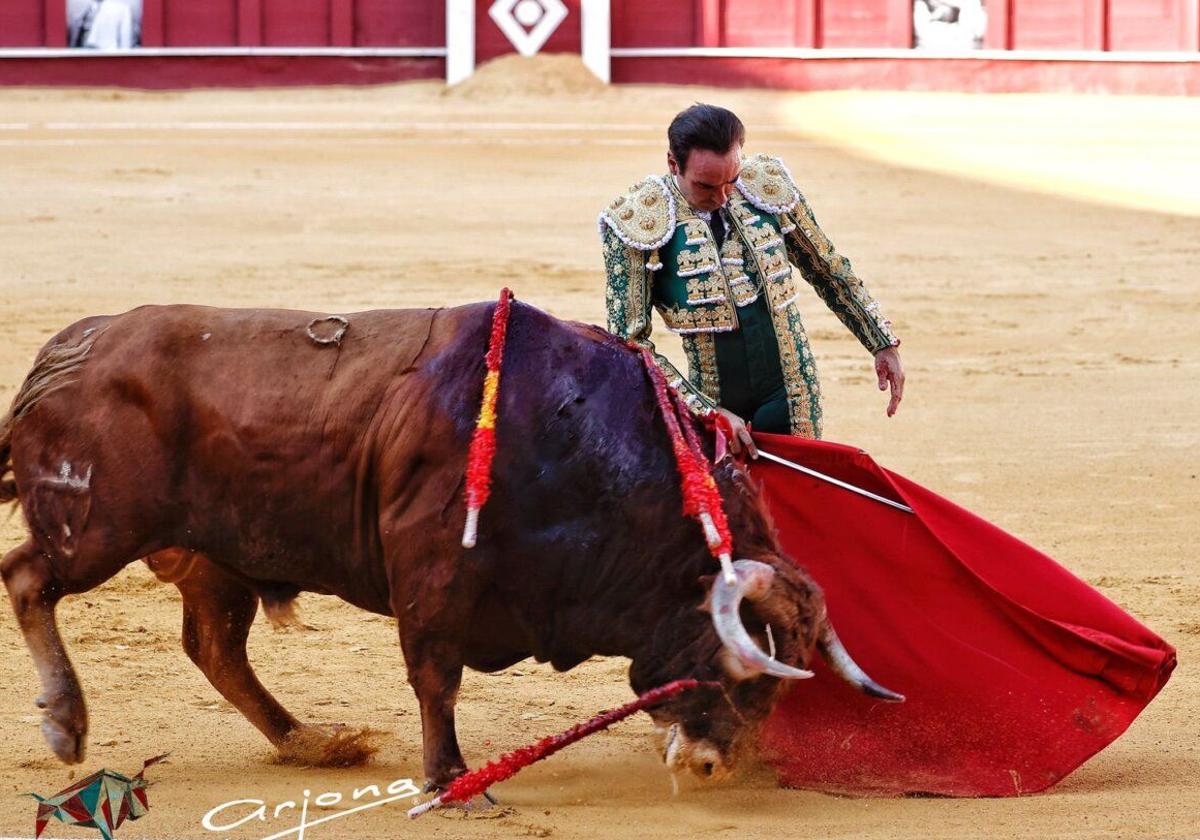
x=708 y=768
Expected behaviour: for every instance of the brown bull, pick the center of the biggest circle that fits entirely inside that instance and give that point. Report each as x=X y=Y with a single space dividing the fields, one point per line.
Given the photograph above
x=256 y=458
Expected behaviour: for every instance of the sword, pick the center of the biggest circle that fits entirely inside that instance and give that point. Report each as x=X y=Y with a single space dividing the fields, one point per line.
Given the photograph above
x=838 y=482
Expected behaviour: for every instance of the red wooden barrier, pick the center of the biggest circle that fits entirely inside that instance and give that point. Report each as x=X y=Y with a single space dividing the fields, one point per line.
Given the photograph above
x=386 y=23
x=865 y=23
x=997 y=36
x=202 y=23
x=341 y=23
x=1152 y=25
x=249 y=23
x=1012 y=24
x=54 y=21
x=1118 y=25
x=1058 y=25
x=769 y=25
x=665 y=23
x=152 y=23
x=296 y=23
x=22 y=23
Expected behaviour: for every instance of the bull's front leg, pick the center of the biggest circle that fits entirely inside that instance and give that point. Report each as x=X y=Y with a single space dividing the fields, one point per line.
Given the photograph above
x=434 y=602
x=435 y=673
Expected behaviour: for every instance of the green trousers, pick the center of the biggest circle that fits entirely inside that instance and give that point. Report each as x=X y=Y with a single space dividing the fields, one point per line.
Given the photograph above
x=751 y=376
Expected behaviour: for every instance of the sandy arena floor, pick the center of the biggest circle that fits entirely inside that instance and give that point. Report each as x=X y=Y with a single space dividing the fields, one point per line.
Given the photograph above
x=1050 y=335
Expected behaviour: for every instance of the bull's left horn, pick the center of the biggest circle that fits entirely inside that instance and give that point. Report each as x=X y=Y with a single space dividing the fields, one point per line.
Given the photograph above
x=753 y=580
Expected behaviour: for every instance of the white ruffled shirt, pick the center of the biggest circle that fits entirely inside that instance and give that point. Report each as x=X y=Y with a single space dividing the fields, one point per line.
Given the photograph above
x=112 y=27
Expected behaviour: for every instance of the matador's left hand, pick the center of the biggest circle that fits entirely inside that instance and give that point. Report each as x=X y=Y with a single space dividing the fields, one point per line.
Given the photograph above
x=890 y=372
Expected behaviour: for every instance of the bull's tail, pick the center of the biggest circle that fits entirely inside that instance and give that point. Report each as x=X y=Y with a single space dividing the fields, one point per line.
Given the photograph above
x=8 y=487
x=54 y=368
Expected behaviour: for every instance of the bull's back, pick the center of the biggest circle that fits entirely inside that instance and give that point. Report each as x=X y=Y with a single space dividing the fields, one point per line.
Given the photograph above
x=250 y=434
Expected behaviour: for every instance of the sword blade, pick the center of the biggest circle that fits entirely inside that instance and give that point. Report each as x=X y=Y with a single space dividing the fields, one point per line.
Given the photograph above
x=834 y=481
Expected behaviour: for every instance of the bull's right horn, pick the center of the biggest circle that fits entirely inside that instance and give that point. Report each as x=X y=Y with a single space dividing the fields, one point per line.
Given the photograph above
x=839 y=660
x=753 y=580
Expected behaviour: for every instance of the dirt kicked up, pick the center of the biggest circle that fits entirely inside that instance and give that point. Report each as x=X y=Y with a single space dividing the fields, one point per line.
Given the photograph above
x=1049 y=329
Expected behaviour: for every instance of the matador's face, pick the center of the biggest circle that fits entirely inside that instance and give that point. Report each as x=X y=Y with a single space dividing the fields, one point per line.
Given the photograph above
x=708 y=178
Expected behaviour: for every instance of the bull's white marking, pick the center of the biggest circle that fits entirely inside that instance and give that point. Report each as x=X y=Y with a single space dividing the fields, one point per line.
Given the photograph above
x=671 y=756
x=205 y=336
x=66 y=477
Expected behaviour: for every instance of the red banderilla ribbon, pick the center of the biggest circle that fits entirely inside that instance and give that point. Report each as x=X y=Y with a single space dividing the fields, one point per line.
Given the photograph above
x=475 y=782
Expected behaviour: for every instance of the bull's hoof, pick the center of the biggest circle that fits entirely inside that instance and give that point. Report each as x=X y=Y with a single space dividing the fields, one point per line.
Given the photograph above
x=334 y=746
x=68 y=746
x=483 y=802
x=64 y=726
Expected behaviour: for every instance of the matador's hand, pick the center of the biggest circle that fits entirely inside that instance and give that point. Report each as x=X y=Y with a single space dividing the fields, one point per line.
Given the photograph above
x=741 y=435
x=890 y=372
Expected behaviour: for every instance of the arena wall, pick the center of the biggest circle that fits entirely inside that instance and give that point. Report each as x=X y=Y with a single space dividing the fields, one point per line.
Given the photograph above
x=1123 y=46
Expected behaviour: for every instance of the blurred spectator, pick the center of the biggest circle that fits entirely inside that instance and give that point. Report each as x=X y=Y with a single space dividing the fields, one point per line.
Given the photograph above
x=949 y=24
x=104 y=24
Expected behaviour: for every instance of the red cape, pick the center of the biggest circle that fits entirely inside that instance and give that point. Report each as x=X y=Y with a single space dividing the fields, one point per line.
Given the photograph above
x=1015 y=670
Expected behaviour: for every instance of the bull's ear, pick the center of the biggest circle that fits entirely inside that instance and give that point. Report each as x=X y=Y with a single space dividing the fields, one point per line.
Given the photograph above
x=706 y=581
x=734 y=667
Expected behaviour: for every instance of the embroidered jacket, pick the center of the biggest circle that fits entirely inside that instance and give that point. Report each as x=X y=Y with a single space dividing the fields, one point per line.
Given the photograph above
x=659 y=254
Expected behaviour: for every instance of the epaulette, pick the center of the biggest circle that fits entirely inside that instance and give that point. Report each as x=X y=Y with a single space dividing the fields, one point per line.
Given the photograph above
x=643 y=217
x=767 y=184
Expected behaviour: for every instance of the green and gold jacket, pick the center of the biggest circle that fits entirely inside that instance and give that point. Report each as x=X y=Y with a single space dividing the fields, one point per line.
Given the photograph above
x=659 y=254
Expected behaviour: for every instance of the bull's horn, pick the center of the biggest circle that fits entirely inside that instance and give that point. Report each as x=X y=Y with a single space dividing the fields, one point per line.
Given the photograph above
x=839 y=660
x=753 y=581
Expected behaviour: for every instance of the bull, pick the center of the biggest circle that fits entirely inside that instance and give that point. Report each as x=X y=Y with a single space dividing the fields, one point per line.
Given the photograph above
x=250 y=456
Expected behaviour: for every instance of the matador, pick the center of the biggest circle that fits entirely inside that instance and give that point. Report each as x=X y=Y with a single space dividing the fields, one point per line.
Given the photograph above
x=711 y=245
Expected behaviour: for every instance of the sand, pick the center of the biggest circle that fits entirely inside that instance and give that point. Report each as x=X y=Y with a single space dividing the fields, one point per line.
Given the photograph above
x=1050 y=339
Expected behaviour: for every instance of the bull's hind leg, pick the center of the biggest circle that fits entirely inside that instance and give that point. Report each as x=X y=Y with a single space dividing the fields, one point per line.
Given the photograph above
x=34 y=590
x=218 y=610
x=217 y=613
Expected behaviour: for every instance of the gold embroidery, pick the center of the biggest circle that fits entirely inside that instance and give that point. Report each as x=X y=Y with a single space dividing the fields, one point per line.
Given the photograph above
x=767 y=184
x=706 y=353
x=719 y=318
x=733 y=262
x=700 y=265
x=761 y=236
x=782 y=292
x=705 y=288
x=774 y=264
x=644 y=217
x=637 y=291
x=695 y=231
x=809 y=229
x=799 y=373
x=757 y=232
x=697 y=261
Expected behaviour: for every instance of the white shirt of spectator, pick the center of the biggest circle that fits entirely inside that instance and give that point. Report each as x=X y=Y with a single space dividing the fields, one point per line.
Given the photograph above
x=112 y=27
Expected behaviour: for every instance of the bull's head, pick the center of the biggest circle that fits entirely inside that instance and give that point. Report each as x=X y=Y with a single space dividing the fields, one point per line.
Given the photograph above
x=751 y=635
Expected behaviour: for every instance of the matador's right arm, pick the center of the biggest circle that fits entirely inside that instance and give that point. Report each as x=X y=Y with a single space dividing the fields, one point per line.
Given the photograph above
x=628 y=247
